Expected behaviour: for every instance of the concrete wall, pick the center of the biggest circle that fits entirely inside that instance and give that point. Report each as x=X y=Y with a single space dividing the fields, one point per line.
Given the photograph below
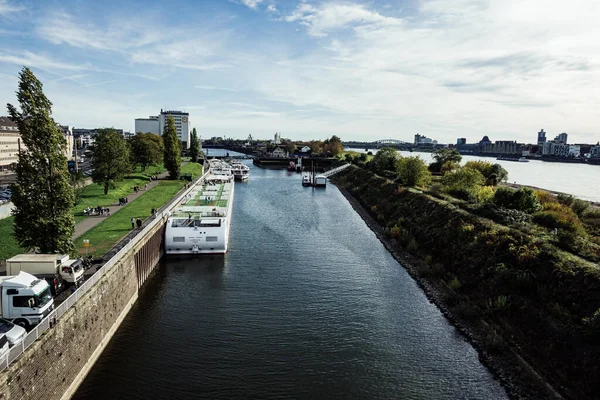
x=56 y=364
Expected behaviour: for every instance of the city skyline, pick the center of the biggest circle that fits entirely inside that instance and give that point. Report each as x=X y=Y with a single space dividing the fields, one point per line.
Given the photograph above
x=310 y=69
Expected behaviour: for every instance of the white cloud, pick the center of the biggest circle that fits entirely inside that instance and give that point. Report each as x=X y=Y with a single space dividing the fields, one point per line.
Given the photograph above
x=209 y=87
x=60 y=27
x=251 y=3
x=329 y=17
x=464 y=66
x=8 y=8
x=31 y=59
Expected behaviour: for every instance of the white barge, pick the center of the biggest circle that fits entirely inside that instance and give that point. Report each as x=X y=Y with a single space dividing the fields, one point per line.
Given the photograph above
x=200 y=223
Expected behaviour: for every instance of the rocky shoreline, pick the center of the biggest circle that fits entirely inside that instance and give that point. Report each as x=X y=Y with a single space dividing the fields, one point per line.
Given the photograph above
x=518 y=378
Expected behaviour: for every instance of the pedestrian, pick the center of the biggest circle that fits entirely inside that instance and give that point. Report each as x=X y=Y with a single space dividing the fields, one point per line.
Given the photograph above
x=132 y=223
x=139 y=223
x=145 y=186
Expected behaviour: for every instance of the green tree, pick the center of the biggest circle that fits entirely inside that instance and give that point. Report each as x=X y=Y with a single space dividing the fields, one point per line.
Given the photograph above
x=42 y=194
x=463 y=179
x=413 y=171
x=110 y=158
x=442 y=156
x=291 y=147
x=172 y=154
x=386 y=159
x=146 y=149
x=194 y=146
x=493 y=173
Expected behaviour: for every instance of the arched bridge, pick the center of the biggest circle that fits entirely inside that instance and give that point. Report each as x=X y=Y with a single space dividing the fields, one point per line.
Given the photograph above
x=391 y=141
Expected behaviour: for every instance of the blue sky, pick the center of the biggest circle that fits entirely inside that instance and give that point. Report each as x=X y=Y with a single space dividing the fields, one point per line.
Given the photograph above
x=310 y=69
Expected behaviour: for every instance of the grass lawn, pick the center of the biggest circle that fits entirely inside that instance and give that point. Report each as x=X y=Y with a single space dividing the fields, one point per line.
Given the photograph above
x=103 y=236
x=9 y=246
x=93 y=194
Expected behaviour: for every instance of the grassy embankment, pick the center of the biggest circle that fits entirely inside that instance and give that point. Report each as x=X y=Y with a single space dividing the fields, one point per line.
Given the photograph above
x=105 y=235
x=93 y=195
x=8 y=245
x=524 y=290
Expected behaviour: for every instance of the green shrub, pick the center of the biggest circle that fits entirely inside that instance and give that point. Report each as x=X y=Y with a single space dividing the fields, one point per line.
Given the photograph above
x=454 y=284
x=559 y=219
x=580 y=206
x=593 y=322
x=412 y=245
x=523 y=199
x=565 y=199
x=545 y=197
x=493 y=173
x=503 y=215
x=413 y=171
x=484 y=194
x=463 y=179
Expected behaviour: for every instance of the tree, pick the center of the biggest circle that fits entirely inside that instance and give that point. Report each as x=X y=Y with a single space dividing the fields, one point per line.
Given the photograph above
x=194 y=146
x=172 y=154
x=463 y=179
x=442 y=156
x=493 y=173
x=110 y=158
x=386 y=159
x=42 y=194
x=146 y=149
x=291 y=147
x=413 y=171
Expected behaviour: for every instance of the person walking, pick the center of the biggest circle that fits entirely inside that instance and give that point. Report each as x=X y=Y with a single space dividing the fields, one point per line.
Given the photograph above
x=132 y=223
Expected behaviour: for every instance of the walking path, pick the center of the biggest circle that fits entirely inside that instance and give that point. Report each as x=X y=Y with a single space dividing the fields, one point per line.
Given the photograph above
x=92 y=221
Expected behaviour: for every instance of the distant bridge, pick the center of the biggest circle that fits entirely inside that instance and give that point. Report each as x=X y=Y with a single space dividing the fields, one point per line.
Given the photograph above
x=391 y=141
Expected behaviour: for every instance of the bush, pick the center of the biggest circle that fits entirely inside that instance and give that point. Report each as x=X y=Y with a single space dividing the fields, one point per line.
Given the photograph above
x=454 y=284
x=523 y=199
x=484 y=194
x=559 y=219
x=545 y=197
x=463 y=179
x=579 y=206
x=413 y=171
x=493 y=173
x=412 y=245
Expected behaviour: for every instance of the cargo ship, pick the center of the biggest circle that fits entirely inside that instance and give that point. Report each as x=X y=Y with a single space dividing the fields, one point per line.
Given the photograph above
x=200 y=224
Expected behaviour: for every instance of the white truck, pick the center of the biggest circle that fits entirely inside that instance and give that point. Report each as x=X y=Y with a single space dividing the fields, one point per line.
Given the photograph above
x=56 y=269
x=25 y=300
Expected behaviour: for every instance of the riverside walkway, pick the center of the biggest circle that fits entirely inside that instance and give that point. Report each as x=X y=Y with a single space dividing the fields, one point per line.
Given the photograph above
x=91 y=221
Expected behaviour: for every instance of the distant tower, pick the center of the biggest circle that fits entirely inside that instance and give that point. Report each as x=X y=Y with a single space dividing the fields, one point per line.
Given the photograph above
x=417 y=138
x=562 y=138
x=541 y=138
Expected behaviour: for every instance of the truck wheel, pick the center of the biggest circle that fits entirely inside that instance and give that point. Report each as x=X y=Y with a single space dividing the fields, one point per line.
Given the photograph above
x=22 y=323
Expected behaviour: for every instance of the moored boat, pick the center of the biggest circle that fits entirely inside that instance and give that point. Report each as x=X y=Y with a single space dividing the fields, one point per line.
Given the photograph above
x=200 y=224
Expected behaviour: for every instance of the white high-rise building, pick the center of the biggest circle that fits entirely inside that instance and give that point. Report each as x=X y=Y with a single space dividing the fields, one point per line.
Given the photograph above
x=156 y=124
x=182 y=124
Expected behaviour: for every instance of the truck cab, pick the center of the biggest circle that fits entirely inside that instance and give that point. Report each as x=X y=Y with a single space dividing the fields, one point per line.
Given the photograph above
x=25 y=299
x=57 y=269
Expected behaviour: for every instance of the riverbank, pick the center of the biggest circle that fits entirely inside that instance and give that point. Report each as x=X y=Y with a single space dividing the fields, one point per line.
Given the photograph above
x=492 y=282
x=525 y=383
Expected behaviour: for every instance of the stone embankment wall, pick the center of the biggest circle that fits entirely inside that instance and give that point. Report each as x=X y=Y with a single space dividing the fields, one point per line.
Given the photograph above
x=55 y=365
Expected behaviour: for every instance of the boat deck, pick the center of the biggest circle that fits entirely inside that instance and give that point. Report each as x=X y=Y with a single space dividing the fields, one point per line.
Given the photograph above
x=209 y=198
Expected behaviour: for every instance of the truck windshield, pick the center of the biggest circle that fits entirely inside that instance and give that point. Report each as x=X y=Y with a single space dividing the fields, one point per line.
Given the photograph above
x=43 y=298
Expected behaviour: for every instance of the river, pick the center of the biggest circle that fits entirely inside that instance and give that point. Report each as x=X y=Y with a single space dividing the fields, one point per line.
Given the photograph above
x=307 y=304
x=580 y=180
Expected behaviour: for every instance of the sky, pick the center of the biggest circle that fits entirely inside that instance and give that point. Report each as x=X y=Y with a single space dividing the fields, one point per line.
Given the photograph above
x=311 y=69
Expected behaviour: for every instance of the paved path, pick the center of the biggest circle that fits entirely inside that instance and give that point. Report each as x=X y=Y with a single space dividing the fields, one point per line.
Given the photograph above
x=92 y=221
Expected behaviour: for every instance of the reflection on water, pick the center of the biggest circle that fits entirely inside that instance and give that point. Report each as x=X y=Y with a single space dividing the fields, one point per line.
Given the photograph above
x=307 y=304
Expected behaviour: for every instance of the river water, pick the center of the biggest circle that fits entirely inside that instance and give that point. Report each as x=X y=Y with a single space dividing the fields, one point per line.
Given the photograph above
x=580 y=180
x=307 y=305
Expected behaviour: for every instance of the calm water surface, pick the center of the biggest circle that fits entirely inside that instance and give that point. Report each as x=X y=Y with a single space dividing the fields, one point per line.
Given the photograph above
x=580 y=180
x=307 y=305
